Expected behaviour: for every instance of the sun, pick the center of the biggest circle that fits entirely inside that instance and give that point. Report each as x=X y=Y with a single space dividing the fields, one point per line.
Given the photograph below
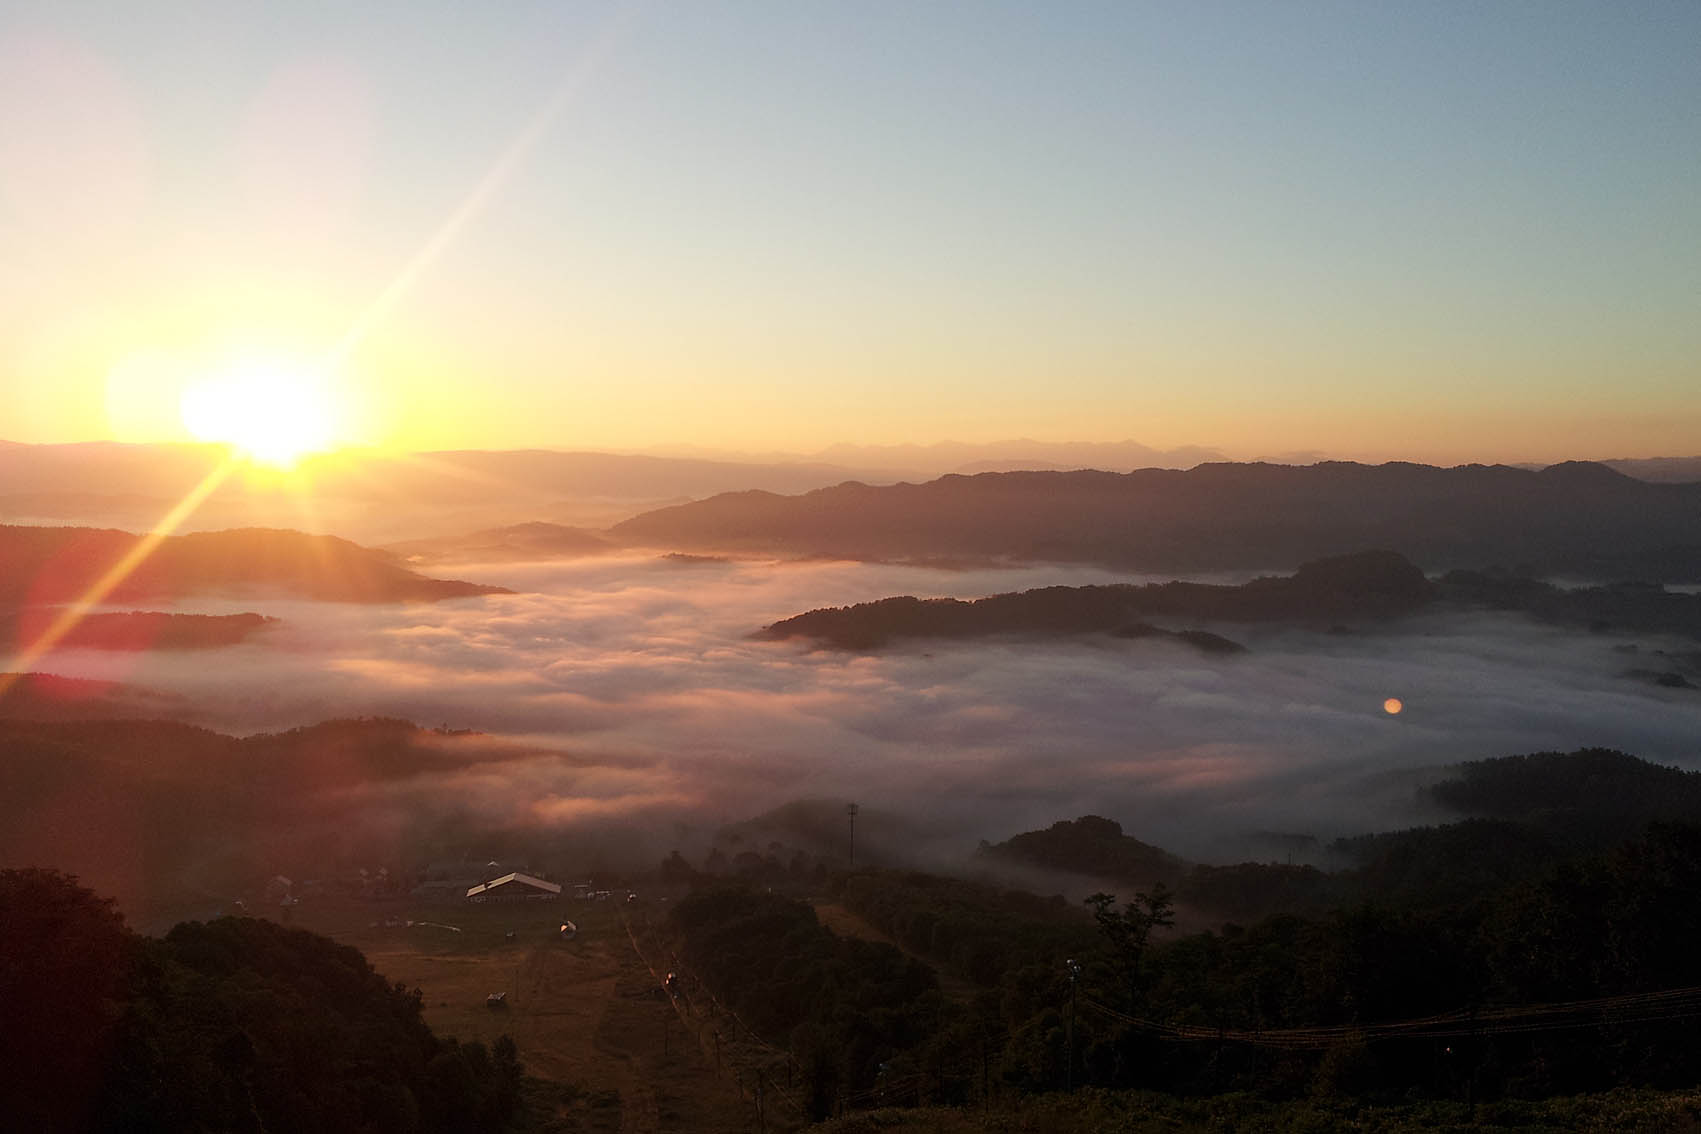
x=270 y=412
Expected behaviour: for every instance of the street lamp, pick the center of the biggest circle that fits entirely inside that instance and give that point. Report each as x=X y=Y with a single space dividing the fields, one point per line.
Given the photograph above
x=1074 y=968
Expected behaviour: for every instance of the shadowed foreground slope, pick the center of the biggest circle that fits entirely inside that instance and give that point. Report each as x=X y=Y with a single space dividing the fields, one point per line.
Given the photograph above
x=238 y=1024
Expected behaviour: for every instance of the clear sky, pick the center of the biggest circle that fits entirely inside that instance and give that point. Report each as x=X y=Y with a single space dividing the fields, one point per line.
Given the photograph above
x=1433 y=230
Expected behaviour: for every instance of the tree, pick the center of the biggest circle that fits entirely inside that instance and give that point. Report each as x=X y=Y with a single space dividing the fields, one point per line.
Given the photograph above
x=1129 y=929
x=65 y=957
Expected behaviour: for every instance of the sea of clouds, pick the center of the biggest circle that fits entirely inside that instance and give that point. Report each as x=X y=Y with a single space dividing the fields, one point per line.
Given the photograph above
x=642 y=675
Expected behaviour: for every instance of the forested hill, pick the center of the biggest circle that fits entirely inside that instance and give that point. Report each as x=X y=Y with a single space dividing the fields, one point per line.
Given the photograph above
x=239 y=1024
x=1561 y=788
x=1517 y=818
x=1577 y=519
x=1372 y=584
x=1578 y=973
x=1089 y=846
x=40 y=566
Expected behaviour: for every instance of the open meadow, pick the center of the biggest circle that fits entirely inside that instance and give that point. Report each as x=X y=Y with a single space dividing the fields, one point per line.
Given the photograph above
x=591 y=1021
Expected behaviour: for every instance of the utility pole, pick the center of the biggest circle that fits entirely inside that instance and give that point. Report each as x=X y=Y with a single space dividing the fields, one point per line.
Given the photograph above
x=985 y=1085
x=1471 y=1054
x=1074 y=968
x=851 y=810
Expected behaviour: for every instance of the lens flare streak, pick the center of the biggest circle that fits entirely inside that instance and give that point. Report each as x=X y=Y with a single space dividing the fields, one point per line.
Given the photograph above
x=116 y=574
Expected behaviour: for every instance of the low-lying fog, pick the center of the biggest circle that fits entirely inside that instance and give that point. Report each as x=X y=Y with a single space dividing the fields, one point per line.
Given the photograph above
x=645 y=666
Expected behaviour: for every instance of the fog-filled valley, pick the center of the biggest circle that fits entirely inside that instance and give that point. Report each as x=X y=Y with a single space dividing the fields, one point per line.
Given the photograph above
x=637 y=691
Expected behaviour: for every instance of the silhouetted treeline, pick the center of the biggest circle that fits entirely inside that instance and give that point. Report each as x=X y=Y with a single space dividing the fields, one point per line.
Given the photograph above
x=237 y=1024
x=1625 y=607
x=1561 y=789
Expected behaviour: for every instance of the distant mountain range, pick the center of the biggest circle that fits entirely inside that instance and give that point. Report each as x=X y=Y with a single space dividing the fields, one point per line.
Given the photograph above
x=1666 y=470
x=385 y=498
x=1018 y=454
x=529 y=541
x=379 y=498
x=1573 y=519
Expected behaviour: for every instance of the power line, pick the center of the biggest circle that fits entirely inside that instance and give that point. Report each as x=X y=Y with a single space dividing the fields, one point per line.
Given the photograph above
x=1603 y=1011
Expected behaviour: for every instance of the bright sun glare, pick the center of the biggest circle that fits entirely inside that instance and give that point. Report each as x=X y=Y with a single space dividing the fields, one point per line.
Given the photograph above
x=270 y=413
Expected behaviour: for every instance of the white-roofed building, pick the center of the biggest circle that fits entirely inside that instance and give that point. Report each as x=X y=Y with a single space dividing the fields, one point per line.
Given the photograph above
x=514 y=887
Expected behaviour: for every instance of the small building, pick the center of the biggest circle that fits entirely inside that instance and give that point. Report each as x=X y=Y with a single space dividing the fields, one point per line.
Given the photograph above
x=514 y=887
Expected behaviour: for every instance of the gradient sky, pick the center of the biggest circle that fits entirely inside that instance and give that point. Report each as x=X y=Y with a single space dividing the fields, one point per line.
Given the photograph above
x=1441 y=231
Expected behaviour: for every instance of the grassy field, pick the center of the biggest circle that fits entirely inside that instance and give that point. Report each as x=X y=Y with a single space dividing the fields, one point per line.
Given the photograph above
x=588 y=1016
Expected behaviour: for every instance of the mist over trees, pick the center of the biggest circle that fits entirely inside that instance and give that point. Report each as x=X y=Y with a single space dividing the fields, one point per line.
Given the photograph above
x=1573 y=972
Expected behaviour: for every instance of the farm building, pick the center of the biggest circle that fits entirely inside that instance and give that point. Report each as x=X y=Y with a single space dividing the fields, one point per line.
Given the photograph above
x=514 y=887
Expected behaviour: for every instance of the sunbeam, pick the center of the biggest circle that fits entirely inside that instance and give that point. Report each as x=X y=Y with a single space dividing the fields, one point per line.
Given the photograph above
x=75 y=612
